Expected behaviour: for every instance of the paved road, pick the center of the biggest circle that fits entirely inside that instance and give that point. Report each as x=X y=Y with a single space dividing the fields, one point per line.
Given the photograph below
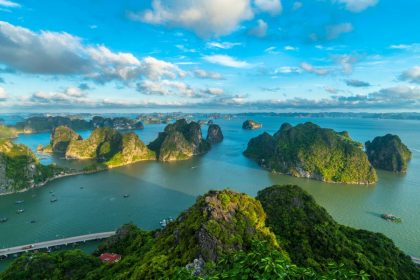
x=57 y=242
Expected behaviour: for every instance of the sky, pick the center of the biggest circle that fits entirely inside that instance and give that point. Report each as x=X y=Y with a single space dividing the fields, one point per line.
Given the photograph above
x=210 y=55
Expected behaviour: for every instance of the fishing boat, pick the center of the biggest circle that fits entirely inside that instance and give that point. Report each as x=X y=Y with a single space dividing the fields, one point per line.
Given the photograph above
x=126 y=196
x=19 y=201
x=20 y=211
x=53 y=200
x=3 y=220
x=391 y=218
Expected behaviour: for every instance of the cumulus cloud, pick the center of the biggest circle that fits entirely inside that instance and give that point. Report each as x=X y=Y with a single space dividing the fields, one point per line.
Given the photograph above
x=356 y=6
x=273 y=7
x=412 y=75
x=357 y=83
x=203 y=74
x=206 y=18
x=346 y=62
x=213 y=91
x=290 y=48
x=57 y=53
x=9 y=4
x=165 y=87
x=315 y=70
x=3 y=94
x=226 y=60
x=260 y=30
x=288 y=70
x=335 y=31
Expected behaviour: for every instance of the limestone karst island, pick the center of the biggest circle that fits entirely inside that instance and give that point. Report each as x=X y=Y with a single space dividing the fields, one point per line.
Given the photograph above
x=209 y=140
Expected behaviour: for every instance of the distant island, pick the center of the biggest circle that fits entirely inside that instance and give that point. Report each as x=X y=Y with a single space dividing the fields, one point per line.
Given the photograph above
x=309 y=151
x=38 y=124
x=282 y=234
x=251 y=124
x=388 y=153
x=179 y=141
x=21 y=170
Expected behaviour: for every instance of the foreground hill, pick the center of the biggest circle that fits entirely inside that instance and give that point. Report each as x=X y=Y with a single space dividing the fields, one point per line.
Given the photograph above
x=180 y=141
x=388 y=153
x=227 y=235
x=310 y=151
x=7 y=132
x=20 y=169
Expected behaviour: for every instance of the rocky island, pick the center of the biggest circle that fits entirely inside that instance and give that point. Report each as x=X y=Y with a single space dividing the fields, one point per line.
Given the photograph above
x=388 y=153
x=214 y=134
x=250 y=124
x=179 y=141
x=21 y=170
x=309 y=151
x=283 y=234
x=105 y=145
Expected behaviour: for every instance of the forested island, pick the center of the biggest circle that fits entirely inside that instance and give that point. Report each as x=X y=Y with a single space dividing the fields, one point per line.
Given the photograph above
x=309 y=151
x=282 y=234
x=21 y=170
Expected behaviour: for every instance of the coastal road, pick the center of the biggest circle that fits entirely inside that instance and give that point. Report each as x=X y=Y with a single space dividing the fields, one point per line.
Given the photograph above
x=58 y=242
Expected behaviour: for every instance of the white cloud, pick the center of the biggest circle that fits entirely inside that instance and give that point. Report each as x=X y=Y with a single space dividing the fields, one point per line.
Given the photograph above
x=346 y=62
x=203 y=74
x=290 y=48
x=9 y=4
x=287 y=70
x=311 y=69
x=271 y=50
x=165 y=87
x=273 y=7
x=226 y=60
x=206 y=18
x=356 y=6
x=3 y=94
x=260 y=30
x=222 y=45
x=213 y=91
x=334 y=31
x=412 y=75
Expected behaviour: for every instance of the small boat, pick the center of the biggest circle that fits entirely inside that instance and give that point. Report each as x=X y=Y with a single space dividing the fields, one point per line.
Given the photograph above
x=20 y=211
x=126 y=196
x=391 y=218
x=3 y=220
x=81 y=188
x=165 y=222
x=32 y=222
x=53 y=200
x=19 y=201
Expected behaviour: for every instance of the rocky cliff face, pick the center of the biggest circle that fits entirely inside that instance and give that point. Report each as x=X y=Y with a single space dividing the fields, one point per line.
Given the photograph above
x=388 y=153
x=20 y=169
x=61 y=138
x=214 y=134
x=310 y=151
x=250 y=124
x=180 y=141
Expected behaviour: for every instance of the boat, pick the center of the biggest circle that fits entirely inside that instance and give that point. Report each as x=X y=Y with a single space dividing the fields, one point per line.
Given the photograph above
x=3 y=220
x=19 y=201
x=53 y=200
x=32 y=222
x=126 y=196
x=165 y=222
x=20 y=211
x=391 y=218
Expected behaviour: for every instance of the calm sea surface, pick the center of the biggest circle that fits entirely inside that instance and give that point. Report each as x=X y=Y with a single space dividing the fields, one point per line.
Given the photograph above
x=95 y=203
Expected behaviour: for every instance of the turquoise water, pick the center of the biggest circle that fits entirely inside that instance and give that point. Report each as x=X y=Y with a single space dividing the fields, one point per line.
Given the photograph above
x=158 y=190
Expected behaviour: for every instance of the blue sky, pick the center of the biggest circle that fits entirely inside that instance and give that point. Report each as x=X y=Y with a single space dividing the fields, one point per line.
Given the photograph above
x=209 y=55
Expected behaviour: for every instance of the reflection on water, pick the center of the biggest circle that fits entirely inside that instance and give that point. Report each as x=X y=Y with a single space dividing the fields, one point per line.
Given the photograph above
x=94 y=203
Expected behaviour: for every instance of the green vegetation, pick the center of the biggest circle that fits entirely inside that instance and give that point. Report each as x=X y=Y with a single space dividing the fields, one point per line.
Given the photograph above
x=20 y=169
x=310 y=151
x=109 y=147
x=7 y=132
x=61 y=138
x=214 y=134
x=179 y=141
x=283 y=234
x=313 y=239
x=251 y=124
x=388 y=153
